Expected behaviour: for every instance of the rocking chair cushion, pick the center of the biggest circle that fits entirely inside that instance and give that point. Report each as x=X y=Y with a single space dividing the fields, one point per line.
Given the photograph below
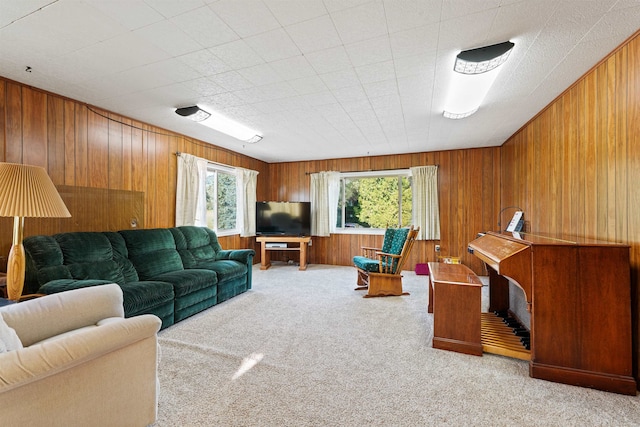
x=399 y=237
x=389 y=235
x=367 y=264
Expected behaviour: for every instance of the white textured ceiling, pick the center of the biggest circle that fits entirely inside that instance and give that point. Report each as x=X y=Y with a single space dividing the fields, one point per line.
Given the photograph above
x=318 y=78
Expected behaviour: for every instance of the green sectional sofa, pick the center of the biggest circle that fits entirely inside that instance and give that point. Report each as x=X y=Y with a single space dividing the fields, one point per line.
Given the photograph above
x=170 y=272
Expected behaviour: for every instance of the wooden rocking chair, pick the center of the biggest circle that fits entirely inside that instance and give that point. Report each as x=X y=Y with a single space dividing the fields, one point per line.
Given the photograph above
x=379 y=268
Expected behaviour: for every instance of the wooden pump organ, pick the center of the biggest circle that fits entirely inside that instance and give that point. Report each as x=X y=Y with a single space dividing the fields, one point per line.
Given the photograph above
x=578 y=294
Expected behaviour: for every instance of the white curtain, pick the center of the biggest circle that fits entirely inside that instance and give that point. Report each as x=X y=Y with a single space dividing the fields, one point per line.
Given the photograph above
x=325 y=189
x=191 y=208
x=246 y=182
x=426 y=213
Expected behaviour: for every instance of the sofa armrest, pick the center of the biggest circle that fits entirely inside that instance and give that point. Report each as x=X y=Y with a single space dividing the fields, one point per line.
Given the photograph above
x=244 y=256
x=30 y=364
x=51 y=315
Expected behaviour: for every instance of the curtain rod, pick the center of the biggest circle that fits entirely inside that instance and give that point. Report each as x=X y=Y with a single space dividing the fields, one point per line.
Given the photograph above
x=178 y=154
x=371 y=170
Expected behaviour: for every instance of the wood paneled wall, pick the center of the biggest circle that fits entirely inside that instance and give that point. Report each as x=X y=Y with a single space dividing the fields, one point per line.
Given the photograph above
x=84 y=147
x=575 y=167
x=469 y=188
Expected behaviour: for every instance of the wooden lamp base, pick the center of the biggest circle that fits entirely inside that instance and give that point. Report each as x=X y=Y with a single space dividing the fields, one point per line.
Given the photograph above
x=16 y=262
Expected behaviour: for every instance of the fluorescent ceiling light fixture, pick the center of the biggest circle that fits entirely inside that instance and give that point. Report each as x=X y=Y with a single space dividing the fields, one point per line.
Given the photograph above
x=220 y=123
x=475 y=71
x=194 y=113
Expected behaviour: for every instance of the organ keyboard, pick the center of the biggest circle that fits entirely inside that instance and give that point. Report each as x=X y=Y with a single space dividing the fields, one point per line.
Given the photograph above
x=578 y=294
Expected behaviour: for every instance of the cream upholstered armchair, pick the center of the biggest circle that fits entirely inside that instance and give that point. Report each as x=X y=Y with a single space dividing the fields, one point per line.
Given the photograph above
x=82 y=363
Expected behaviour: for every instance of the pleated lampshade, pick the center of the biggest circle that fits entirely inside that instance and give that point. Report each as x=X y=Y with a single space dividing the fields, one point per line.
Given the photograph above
x=27 y=191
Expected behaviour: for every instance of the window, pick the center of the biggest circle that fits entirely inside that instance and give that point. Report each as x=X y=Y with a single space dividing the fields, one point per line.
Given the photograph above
x=374 y=200
x=222 y=206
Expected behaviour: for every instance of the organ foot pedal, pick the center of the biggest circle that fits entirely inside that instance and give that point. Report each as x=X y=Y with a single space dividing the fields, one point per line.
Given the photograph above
x=505 y=336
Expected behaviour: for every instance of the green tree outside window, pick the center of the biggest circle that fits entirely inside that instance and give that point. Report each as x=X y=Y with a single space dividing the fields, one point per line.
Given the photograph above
x=221 y=200
x=375 y=202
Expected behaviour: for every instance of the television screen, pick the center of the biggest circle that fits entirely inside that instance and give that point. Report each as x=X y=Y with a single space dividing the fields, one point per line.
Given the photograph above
x=283 y=218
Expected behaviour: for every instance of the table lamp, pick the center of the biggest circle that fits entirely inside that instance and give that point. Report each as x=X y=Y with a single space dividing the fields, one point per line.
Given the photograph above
x=25 y=191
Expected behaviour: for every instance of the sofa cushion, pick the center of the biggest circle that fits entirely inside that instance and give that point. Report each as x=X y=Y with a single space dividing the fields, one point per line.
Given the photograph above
x=231 y=288
x=152 y=252
x=44 y=251
x=138 y=297
x=81 y=247
x=61 y=285
x=104 y=270
x=155 y=264
x=89 y=255
x=225 y=269
x=195 y=303
x=194 y=291
x=195 y=244
x=148 y=241
x=44 y=262
x=188 y=281
x=121 y=256
x=47 y=274
x=141 y=297
x=189 y=236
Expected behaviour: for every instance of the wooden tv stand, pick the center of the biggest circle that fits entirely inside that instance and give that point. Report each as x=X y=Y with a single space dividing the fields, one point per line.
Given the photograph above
x=265 y=258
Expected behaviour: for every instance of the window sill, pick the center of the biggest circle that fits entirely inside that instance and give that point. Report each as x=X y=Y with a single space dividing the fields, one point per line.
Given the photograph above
x=227 y=233
x=371 y=231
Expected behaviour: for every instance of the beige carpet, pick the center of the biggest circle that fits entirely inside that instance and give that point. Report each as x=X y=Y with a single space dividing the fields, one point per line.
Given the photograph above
x=302 y=348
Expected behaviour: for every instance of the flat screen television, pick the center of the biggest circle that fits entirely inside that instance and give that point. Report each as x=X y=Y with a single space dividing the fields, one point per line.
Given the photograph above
x=283 y=218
